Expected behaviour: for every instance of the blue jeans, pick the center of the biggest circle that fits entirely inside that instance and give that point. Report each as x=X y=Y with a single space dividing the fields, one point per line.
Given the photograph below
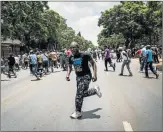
x=143 y=60
x=34 y=69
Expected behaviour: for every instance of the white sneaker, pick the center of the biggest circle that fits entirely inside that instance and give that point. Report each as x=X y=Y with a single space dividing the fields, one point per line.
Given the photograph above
x=99 y=94
x=76 y=115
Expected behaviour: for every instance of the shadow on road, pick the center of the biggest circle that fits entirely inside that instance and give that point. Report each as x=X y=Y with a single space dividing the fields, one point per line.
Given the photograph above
x=150 y=77
x=110 y=71
x=90 y=114
x=5 y=80
x=36 y=80
x=56 y=71
x=125 y=76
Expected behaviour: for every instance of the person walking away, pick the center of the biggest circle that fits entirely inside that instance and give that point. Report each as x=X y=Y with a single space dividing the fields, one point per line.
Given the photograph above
x=26 y=61
x=39 y=64
x=94 y=55
x=126 y=62
x=45 y=62
x=118 y=55
x=108 y=59
x=138 y=52
x=153 y=54
x=63 y=60
x=157 y=53
x=149 y=62
x=68 y=54
x=33 y=64
x=160 y=52
x=98 y=53
x=83 y=77
x=143 y=58
x=133 y=52
x=102 y=54
x=17 y=60
x=11 y=63
x=53 y=59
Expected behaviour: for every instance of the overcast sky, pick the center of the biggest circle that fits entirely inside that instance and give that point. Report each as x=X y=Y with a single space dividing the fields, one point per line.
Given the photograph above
x=82 y=16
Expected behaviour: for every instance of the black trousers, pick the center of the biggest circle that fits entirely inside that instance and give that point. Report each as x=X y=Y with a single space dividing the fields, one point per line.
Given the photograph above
x=82 y=90
x=149 y=64
x=11 y=69
x=110 y=62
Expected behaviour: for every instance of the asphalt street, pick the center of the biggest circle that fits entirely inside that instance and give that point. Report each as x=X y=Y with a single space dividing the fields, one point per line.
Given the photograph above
x=128 y=103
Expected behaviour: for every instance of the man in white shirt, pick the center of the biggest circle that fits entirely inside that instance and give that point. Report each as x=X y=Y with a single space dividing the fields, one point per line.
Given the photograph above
x=143 y=58
x=126 y=61
x=17 y=60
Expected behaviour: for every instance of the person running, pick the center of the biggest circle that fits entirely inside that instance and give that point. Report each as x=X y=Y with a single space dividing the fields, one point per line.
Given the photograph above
x=156 y=55
x=63 y=60
x=17 y=60
x=11 y=63
x=45 y=62
x=143 y=58
x=33 y=64
x=39 y=64
x=53 y=60
x=83 y=77
x=149 y=62
x=118 y=55
x=94 y=54
x=68 y=52
x=26 y=61
x=108 y=59
x=102 y=54
x=138 y=52
x=126 y=62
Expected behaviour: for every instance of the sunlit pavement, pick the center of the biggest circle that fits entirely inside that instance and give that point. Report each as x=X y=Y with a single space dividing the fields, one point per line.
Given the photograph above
x=128 y=103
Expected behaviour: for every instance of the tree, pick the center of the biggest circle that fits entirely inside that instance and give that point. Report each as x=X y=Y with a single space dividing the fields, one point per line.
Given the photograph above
x=21 y=20
x=134 y=20
x=36 y=26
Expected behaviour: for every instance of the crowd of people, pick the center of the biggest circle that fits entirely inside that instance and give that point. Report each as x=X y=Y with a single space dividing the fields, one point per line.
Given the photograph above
x=43 y=62
x=39 y=62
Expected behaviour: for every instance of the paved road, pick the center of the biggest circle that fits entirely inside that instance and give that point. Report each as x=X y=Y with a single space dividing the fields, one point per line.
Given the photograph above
x=128 y=103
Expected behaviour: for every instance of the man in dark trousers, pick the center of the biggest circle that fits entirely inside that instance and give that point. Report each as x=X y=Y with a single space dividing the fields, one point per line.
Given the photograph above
x=149 y=62
x=11 y=63
x=83 y=77
x=108 y=59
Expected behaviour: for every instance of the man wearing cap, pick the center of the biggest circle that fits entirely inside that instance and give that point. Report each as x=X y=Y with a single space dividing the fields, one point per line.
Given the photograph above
x=149 y=62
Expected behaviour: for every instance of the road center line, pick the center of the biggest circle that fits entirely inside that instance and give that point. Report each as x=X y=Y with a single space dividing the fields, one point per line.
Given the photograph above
x=127 y=126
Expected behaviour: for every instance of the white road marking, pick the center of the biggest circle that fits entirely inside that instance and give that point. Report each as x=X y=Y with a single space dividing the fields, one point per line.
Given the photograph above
x=127 y=126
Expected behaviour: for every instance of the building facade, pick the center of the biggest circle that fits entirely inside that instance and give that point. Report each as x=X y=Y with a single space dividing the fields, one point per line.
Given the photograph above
x=10 y=46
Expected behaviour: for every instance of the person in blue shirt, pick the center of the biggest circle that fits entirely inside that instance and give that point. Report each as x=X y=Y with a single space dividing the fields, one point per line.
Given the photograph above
x=143 y=57
x=33 y=64
x=149 y=62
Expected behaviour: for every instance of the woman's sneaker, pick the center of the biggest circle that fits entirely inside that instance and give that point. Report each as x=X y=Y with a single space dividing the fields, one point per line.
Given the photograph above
x=99 y=94
x=76 y=115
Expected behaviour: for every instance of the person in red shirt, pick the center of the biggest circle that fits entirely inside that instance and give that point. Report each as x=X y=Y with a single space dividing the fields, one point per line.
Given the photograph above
x=139 y=54
x=68 y=52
